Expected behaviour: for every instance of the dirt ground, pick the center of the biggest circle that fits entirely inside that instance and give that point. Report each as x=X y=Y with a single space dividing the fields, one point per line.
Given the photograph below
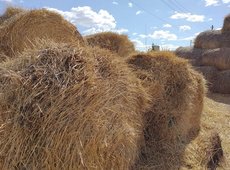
x=216 y=116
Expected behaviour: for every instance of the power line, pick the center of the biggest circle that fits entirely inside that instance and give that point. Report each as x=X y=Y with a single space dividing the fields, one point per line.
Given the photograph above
x=152 y=14
x=180 y=5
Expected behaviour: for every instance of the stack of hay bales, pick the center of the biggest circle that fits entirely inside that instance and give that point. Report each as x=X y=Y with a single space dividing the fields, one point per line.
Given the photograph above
x=114 y=42
x=177 y=101
x=211 y=56
x=66 y=105
x=69 y=107
x=21 y=29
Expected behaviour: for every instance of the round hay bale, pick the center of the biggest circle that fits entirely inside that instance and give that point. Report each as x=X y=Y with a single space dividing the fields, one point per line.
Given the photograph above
x=10 y=12
x=190 y=53
x=173 y=85
x=210 y=74
x=70 y=108
x=177 y=102
x=222 y=82
x=225 y=40
x=226 y=25
x=22 y=30
x=219 y=58
x=208 y=39
x=114 y=42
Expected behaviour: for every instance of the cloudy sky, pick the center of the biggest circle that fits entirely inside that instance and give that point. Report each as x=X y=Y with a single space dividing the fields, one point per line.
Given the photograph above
x=168 y=23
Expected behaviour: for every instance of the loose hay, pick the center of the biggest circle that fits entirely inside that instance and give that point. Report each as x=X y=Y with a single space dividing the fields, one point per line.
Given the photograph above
x=190 y=53
x=22 y=30
x=177 y=101
x=226 y=25
x=10 y=12
x=114 y=42
x=208 y=40
x=69 y=108
x=219 y=58
x=205 y=152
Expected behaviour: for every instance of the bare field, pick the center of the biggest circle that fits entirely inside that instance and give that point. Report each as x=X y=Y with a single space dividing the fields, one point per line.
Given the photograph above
x=216 y=116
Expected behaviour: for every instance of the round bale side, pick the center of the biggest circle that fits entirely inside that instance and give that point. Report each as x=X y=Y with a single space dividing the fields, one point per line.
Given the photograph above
x=173 y=85
x=222 y=82
x=23 y=30
x=177 y=102
x=114 y=42
x=208 y=40
x=190 y=53
x=226 y=25
x=70 y=108
x=219 y=58
x=210 y=73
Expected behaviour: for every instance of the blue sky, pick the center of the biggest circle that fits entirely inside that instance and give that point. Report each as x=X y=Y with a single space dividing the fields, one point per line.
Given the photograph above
x=168 y=23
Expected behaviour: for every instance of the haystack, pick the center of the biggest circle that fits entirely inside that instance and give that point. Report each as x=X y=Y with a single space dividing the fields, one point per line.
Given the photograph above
x=208 y=40
x=22 y=30
x=225 y=40
x=190 y=53
x=69 y=108
x=177 y=101
x=114 y=42
x=226 y=25
x=210 y=74
x=10 y=12
x=222 y=82
x=205 y=152
x=219 y=58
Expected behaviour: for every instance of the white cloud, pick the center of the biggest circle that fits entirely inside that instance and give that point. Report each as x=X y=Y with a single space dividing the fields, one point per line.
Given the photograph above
x=225 y=1
x=211 y=3
x=130 y=5
x=115 y=3
x=167 y=26
x=184 y=27
x=210 y=19
x=140 y=45
x=91 y=20
x=139 y=12
x=153 y=28
x=160 y=34
x=134 y=33
x=95 y=30
x=169 y=47
x=7 y=1
x=188 y=16
x=143 y=36
x=187 y=38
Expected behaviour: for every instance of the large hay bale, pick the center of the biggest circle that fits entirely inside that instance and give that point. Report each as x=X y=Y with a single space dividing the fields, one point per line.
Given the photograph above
x=222 y=82
x=114 y=42
x=225 y=40
x=205 y=152
x=210 y=73
x=208 y=40
x=22 y=30
x=219 y=58
x=69 y=108
x=177 y=101
x=190 y=53
x=226 y=25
